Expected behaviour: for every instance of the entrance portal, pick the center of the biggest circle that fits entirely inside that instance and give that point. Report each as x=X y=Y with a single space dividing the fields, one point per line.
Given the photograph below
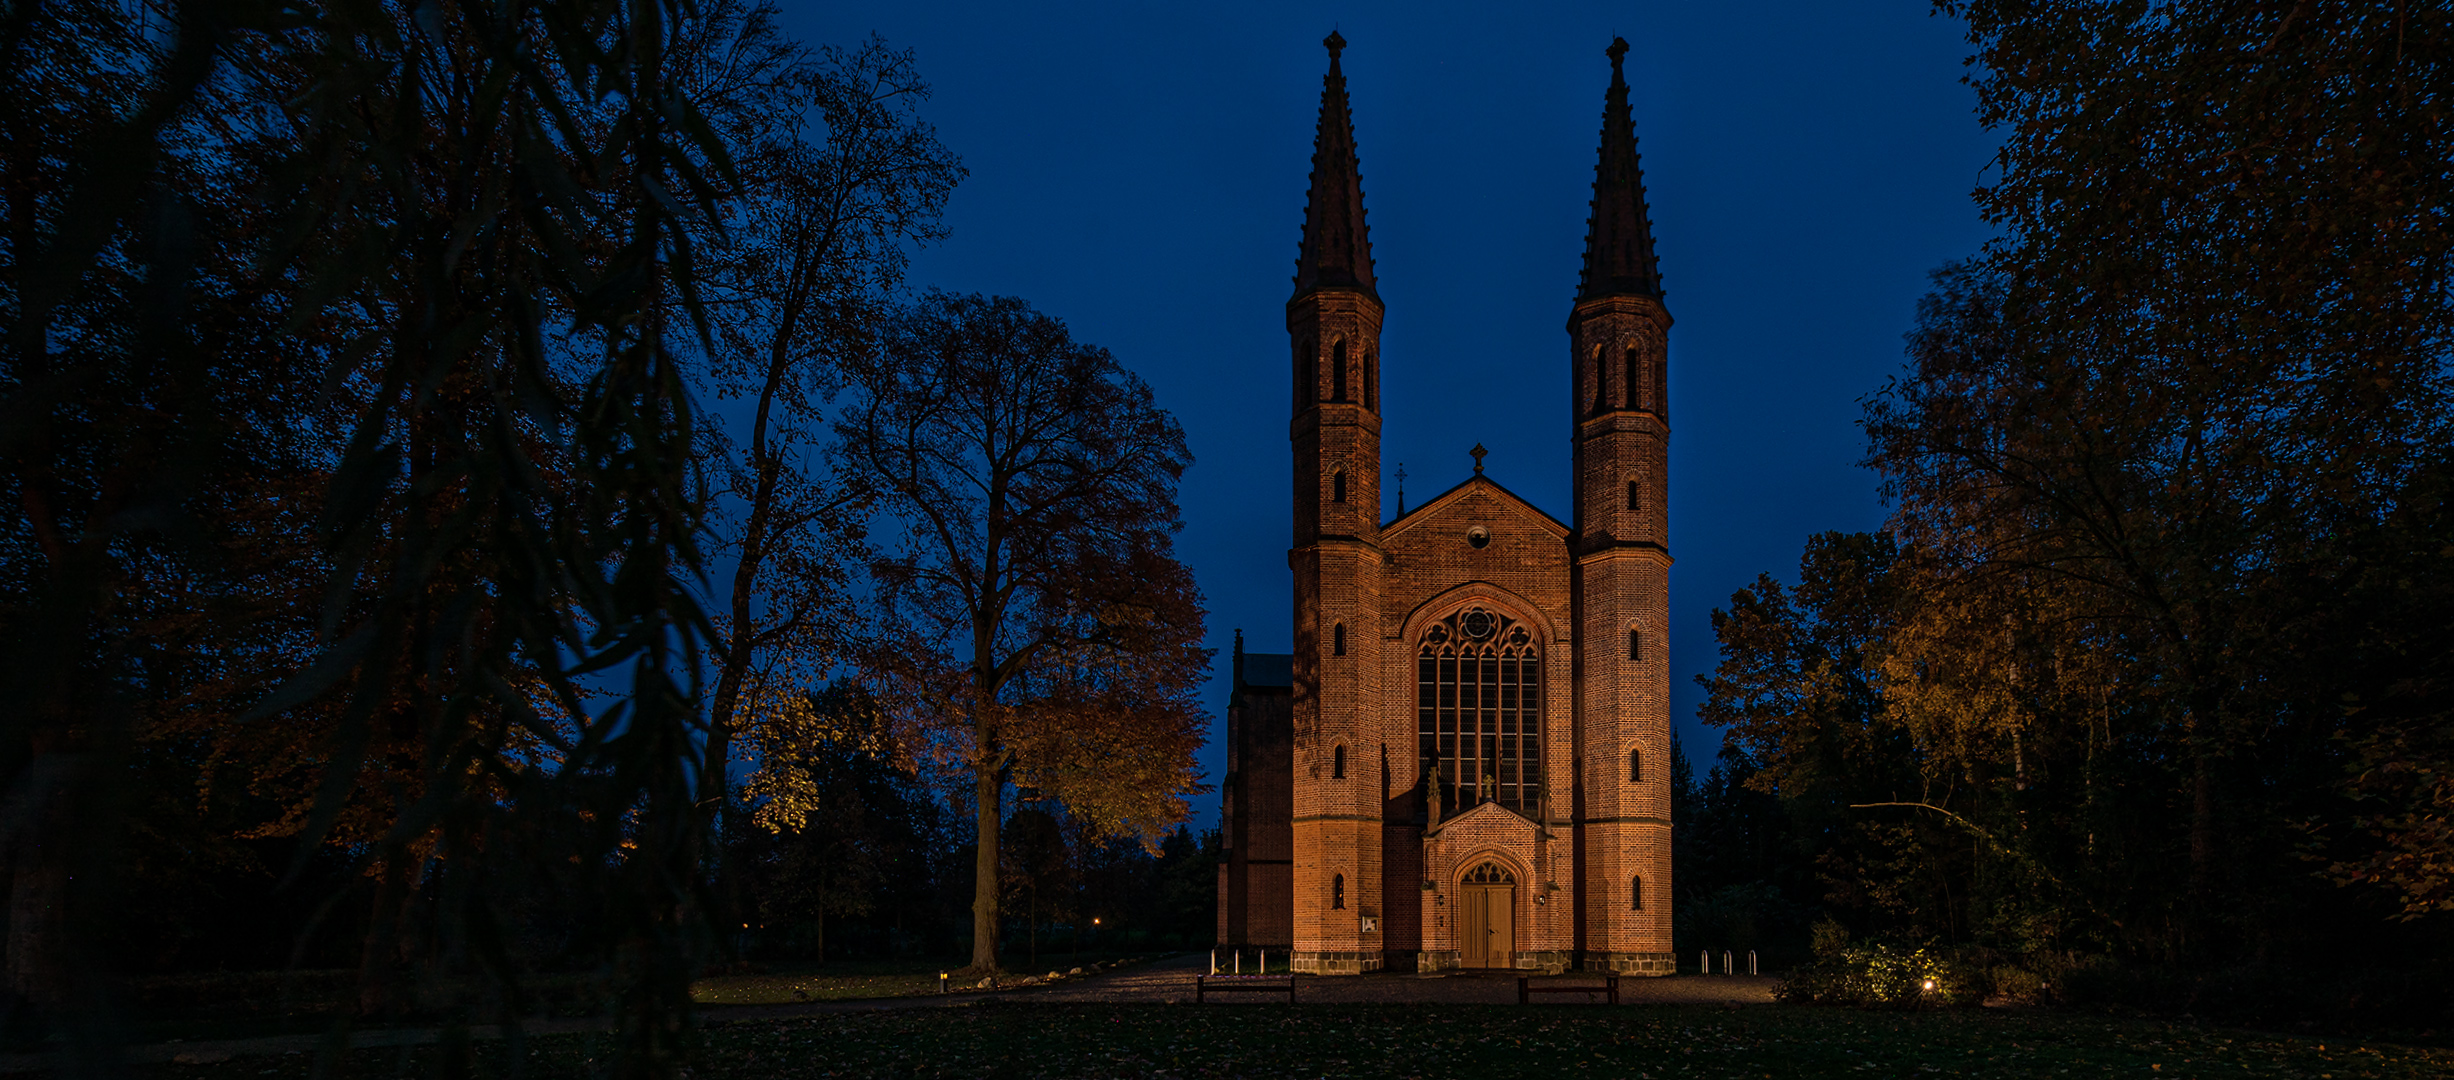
x=1487 y=919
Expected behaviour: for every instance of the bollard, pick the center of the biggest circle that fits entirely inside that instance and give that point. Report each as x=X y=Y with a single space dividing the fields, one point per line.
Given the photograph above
x=1239 y=961
x=1725 y=963
x=1751 y=962
x=1704 y=962
x=1214 y=961
x=941 y=982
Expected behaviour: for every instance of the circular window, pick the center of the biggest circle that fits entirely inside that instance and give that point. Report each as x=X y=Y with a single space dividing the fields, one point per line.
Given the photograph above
x=1477 y=624
x=1478 y=536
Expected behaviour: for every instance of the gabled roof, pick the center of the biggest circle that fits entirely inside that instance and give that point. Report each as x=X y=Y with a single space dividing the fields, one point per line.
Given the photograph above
x=1267 y=670
x=1476 y=482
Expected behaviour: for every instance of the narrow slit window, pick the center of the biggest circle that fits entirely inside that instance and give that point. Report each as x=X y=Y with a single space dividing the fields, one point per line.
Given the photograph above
x=1635 y=644
x=1635 y=358
x=1636 y=892
x=1635 y=766
x=1337 y=891
x=1635 y=496
x=1337 y=486
x=1337 y=640
x=1598 y=381
x=1337 y=374
x=1371 y=387
x=1337 y=764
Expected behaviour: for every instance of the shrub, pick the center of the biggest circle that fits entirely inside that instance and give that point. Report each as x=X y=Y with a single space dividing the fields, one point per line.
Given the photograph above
x=1872 y=975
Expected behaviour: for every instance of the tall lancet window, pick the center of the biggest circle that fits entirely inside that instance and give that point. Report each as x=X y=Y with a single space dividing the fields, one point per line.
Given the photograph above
x=1635 y=378
x=1371 y=380
x=1598 y=399
x=1337 y=374
x=1479 y=709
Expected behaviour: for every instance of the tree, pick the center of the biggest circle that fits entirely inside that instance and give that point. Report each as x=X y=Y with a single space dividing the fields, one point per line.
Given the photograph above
x=818 y=244
x=475 y=227
x=1030 y=616
x=852 y=824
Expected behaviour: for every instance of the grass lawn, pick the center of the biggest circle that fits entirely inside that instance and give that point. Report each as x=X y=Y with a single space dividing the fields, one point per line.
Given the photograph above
x=845 y=980
x=1464 y=1041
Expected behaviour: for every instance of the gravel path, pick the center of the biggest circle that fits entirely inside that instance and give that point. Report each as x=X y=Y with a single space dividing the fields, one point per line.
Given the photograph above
x=1171 y=980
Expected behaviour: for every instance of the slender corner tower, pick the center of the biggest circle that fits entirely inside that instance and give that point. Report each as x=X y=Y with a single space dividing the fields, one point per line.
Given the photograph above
x=1333 y=321
x=1617 y=336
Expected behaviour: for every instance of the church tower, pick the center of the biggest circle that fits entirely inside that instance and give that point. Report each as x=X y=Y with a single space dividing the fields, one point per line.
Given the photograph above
x=1617 y=335
x=1333 y=321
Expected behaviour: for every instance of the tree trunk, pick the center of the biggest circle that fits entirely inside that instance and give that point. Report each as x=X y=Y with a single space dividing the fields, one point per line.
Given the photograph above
x=818 y=919
x=38 y=933
x=987 y=787
x=378 y=954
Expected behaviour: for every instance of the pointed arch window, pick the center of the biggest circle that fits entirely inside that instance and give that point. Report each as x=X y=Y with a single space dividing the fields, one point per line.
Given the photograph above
x=1636 y=766
x=1479 y=711
x=1337 y=372
x=1635 y=378
x=1599 y=400
x=1635 y=643
x=1636 y=893
x=1337 y=891
x=1371 y=380
x=1337 y=640
x=1337 y=486
x=1337 y=764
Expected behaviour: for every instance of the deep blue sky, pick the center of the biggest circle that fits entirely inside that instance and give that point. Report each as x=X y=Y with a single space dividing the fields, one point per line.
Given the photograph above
x=1140 y=172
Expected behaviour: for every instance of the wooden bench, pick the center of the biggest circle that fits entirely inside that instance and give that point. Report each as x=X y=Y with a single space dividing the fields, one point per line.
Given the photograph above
x=1608 y=988
x=1205 y=985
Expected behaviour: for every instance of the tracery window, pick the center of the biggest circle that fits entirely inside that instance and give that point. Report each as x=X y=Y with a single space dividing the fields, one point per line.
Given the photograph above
x=1479 y=711
x=1491 y=874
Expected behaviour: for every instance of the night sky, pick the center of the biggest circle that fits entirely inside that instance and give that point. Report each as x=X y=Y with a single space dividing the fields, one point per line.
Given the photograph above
x=1140 y=173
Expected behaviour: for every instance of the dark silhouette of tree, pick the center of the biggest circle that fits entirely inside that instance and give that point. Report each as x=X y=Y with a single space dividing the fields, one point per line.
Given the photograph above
x=1032 y=621
x=428 y=260
x=849 y=825
x=839 y=179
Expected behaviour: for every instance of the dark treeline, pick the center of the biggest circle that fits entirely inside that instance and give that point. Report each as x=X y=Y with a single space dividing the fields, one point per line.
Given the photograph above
x=449 y=451
x=2146 y=692
x=850 y=854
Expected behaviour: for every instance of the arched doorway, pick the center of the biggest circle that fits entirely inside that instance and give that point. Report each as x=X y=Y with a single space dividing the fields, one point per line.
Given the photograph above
x=1487 y=918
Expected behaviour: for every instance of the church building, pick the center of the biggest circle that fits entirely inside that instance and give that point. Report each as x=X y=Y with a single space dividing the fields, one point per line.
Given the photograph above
x=1465 y=761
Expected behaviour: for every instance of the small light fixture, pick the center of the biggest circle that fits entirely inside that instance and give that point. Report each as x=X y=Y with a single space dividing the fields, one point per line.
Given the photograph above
x=1929 y=986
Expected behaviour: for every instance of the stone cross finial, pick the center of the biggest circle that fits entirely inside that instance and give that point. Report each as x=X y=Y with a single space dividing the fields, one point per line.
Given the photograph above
x=1336 y=44
x=1478 y=453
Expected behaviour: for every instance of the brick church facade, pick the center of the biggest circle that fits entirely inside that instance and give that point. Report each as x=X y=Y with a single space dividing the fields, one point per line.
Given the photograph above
x=1464 y=763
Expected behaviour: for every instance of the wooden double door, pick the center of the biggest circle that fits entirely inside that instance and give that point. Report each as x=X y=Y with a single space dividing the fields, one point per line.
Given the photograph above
x=1487 y=918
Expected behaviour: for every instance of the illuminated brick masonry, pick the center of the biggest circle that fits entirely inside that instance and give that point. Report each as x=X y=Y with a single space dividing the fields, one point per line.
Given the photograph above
x=1465 y=762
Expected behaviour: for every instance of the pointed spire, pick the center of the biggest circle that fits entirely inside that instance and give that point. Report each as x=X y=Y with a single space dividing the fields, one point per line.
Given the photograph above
x=1336 y=251
x=1619 y=235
